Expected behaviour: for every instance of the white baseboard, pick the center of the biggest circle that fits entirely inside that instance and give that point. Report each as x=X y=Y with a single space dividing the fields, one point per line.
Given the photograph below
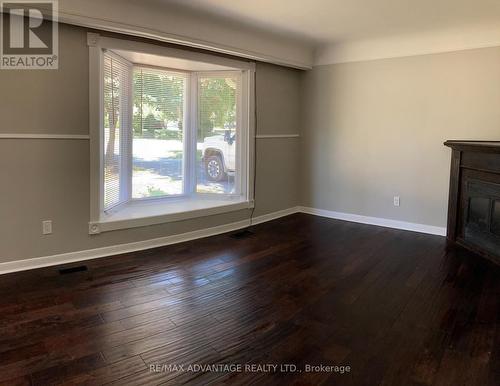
x=275 y=215
x=89 y=254
x=383 y=222
x=71 y=257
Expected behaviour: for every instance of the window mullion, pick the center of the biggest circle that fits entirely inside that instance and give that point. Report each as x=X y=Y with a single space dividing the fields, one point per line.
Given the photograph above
x=240 y=137
x=130 y=133
x=126 y=134
x=191 y=146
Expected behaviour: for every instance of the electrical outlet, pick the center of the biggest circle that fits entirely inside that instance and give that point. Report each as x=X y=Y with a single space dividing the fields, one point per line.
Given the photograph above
x=47 y=227
x=396 y=201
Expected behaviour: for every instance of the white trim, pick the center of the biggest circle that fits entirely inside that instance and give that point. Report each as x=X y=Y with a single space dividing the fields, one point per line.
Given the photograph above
x=250 y=103
x=44 y=136
x=111 y=224
x=89 y=254
x=383 y=222
x=304 y=63
x=266 y=136
x=275 y=215
x=71 y=257
x=245 y=71
x=96 y=95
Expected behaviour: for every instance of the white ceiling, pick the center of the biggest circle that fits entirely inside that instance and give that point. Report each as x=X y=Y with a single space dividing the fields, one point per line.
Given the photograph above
x=332 y=21
x=299 y=33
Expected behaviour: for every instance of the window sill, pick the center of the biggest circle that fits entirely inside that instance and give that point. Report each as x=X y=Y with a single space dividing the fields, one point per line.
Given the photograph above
x=138 y=214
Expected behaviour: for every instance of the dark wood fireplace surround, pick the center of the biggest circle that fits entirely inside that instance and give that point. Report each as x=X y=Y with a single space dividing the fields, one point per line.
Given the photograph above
x=474 y=201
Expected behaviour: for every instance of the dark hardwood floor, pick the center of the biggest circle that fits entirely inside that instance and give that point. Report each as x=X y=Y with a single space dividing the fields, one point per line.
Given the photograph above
x=395 y=306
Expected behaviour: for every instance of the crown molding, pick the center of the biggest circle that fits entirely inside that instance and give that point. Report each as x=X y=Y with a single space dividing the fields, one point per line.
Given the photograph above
x=430 y=42
x=160 y=22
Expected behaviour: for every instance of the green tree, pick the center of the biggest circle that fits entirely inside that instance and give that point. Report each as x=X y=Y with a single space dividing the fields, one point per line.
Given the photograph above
x=111 y=111
x=217 y=104
x=158 y=99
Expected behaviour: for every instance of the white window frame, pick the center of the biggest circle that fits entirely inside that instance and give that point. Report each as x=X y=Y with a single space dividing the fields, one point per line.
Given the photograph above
x=187 y=129
x=125 y=164
x=148 y=211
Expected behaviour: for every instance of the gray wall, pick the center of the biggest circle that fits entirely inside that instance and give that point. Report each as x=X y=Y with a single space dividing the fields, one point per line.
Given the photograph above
x=373 y=130
x=369 y=131
x=49 y=179
x=278 y=112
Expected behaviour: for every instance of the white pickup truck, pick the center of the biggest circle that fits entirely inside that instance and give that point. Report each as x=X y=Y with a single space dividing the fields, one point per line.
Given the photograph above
x=219 y=156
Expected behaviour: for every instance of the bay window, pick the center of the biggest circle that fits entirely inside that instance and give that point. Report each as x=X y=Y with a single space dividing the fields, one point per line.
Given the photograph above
x=171 y=131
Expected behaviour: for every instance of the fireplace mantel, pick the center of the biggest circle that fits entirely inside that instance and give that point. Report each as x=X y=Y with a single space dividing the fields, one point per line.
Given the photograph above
x=474 y=200
x=478 y=146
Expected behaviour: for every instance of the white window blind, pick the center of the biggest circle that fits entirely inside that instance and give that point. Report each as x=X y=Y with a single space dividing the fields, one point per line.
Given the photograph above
x=217 y=132
x=158 y=144
x=117 y=127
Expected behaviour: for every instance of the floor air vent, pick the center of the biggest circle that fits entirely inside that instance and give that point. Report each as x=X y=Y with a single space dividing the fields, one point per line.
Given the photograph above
x=242 y=234
x=80 y=268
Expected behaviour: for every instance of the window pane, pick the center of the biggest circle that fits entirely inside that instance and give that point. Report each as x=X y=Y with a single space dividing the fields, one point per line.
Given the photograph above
x=158 y=148
x=116 y=91
x=216 y=136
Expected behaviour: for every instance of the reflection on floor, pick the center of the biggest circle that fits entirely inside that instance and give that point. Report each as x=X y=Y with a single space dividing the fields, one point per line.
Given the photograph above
x=397 y=307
